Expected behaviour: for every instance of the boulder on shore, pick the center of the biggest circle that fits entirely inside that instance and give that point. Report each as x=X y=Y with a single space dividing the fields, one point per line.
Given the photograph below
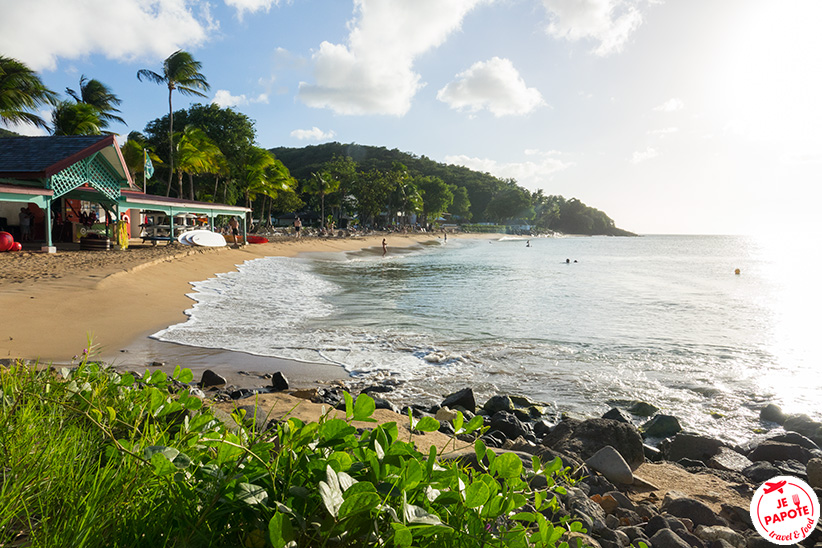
x=462 y=398
x=211 y=379
x=661 y=426
x=608 y=462
x=772 y=413
x=279 y=382
x=692 y=446
x=582 y=439
x=772 y=452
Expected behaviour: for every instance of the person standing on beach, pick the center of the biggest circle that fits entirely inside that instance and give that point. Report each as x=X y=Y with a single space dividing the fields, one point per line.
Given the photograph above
x=384 y=247
x=298 y=224
x=235 y=228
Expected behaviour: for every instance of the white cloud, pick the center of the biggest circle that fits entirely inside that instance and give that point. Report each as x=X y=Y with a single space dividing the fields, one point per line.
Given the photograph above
x=251 y=6
x=609 y=22
x=671 y=105
x=663 y=131
x=118 y=29
x=314 y=134
x=494 y=85
x=373 y=72
x=224 y=99
x=531 y=174
x=642 y=155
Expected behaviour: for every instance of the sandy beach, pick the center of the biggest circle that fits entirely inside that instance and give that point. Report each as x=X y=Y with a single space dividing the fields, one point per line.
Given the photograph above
x=54 y=303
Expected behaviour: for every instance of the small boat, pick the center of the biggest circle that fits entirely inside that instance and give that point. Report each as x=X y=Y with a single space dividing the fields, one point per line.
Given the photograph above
x=252 y=239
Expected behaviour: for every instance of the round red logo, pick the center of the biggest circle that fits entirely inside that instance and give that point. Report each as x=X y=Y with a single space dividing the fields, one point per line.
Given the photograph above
x=784 y=510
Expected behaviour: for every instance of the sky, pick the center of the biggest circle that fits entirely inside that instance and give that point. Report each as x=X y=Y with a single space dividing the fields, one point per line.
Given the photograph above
x=672 y=116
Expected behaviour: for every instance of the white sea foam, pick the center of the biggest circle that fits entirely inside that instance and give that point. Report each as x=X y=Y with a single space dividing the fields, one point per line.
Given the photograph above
x=278 y=307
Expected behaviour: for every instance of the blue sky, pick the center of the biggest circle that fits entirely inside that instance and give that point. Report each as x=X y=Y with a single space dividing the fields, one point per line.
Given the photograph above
x=686 y=116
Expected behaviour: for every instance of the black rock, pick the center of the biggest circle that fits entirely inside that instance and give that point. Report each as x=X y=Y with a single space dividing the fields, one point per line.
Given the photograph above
x=760 y=471
x=796 y=439
x=692 y=446
x=792 y=468
x=581 y=439
x=617 y=415
x=634 y=532
x=241 y=393
x=661 y=426
x=652 y=453
x=381 y=403
x=463 y=398
x=659 y=522
x=692 y=540
x=493 y=439
x=642 y=409
x=772 y=413
x=773 y=451
x=737 y=514
x=378 y=388
x=541 y=428
x=279 y=382
x=330 y=396
x=665 y=538
x=211 y=379
x=499 y=403
x=510 y=426
x=446 y=428
x=698 y=512
x=804 y=425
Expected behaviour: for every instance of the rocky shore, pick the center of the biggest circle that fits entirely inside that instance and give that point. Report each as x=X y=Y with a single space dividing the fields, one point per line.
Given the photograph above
x=640 y=477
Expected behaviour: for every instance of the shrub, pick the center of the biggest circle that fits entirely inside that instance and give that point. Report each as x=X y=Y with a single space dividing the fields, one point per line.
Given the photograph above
x=98 y=458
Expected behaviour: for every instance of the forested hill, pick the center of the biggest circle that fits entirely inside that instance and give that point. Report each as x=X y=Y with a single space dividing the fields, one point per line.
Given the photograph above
x=491 y=199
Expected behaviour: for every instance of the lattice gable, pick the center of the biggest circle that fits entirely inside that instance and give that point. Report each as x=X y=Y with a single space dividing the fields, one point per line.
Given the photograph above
x=93 y=170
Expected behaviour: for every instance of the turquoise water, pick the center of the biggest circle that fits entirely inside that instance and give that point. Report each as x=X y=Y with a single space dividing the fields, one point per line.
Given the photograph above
x=657 y=318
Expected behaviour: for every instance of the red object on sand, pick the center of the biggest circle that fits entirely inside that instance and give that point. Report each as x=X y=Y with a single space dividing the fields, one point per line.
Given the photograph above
x=16 y=247
x=6 y=241
x=257 y=240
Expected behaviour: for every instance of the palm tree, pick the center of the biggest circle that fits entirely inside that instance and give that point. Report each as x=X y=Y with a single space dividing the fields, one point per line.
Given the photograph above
x=97 y=94
x=254 y=179
x=69 y=118
x=180 y=72
x=133 y=153
x=20 y=91
x=322 y=184
x=196 y=154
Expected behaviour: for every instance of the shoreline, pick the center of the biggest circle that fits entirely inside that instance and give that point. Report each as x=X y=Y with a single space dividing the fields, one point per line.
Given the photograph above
x=120 y=298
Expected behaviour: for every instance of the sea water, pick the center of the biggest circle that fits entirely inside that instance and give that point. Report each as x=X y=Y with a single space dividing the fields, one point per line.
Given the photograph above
x=582 y=324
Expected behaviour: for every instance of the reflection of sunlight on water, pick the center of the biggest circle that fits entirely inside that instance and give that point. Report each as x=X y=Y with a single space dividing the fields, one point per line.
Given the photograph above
x=789 y=277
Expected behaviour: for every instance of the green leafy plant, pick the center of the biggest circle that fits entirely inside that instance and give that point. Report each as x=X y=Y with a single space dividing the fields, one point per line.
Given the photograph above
x=95 y=457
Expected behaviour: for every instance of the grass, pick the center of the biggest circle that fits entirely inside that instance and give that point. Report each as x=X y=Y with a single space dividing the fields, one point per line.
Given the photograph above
x=97 y=458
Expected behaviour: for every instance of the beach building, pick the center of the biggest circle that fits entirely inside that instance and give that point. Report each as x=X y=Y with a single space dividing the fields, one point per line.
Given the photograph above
x=78 y=189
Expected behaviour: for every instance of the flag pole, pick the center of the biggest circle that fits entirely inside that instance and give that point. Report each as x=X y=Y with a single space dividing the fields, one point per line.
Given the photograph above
x=144 y=171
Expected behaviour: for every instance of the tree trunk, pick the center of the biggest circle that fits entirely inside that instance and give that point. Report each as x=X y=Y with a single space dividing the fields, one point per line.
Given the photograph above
x=180 y=184
x=216 y=183
x=170 y=139
x=191 y=185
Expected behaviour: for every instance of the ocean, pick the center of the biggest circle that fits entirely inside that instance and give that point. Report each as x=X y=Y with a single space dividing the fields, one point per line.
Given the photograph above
x=579 y=323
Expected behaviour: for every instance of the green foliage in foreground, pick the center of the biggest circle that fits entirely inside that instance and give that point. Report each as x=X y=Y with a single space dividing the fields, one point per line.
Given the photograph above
x=98 y=458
